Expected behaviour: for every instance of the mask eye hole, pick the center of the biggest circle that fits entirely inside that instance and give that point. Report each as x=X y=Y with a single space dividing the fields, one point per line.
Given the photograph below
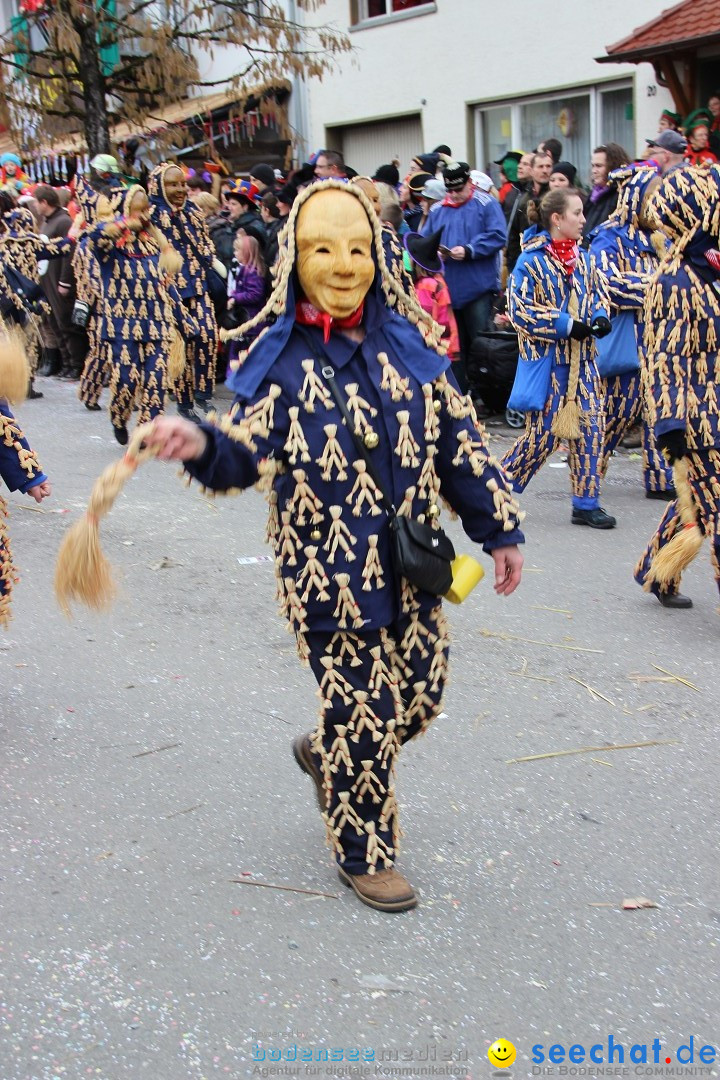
x=323 y=250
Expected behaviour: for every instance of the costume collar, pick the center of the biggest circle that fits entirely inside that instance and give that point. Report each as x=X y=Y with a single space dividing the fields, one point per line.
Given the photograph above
x=306 y=314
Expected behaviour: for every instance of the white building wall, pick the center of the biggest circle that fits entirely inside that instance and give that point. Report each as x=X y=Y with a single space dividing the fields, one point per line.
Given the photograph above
x=473 y=51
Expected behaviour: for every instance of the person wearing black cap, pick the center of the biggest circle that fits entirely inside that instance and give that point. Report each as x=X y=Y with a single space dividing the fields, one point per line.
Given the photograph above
x=263 y=177
x=473 y=227
x=430 y=286
x=563 y=175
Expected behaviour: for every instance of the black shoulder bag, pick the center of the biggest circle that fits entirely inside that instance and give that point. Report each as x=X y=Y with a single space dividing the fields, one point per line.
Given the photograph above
x=420 y=553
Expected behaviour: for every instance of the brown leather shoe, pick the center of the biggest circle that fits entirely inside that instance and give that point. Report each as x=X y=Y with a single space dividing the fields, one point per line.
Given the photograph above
x=302 y=752
x=387 y=890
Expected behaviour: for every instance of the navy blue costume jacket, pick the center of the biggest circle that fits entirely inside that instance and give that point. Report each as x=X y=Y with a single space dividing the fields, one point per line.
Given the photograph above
x=286 y=431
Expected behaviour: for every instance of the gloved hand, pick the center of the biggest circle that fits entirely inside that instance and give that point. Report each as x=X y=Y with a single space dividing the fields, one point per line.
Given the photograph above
x=579 y=331
x=673 y=444
x=601 y=327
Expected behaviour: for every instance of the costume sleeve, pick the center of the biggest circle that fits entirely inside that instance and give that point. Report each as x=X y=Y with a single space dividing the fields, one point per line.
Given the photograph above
x=600 y=300
x=247 y=445
x=534 y=319
x=200 y=240
x=472 y=481
x=19 y=466
x=668 y=367
x=625 y=288
x=491 y=235
x=57 y=247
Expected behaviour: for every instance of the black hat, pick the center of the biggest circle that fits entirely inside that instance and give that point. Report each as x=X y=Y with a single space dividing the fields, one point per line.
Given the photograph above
x=264 y=173
x=424 y=250
x=456 y=176
x=304 y=175
x=387 y=174
x=287 y=194
x=427 y=162
x=418 y=180
x=511 y=155
x=443 y=149
x=567 y=169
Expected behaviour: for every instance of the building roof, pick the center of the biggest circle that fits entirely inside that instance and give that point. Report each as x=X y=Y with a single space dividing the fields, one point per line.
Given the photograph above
x=687 y=26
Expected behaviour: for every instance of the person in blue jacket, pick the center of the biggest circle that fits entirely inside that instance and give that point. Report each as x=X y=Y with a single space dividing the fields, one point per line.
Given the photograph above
x=626 y=249
x=474 y=235
x=682 y=339
x=558 y=304
x=185 y=229
x=20 y=471
x=376 y=644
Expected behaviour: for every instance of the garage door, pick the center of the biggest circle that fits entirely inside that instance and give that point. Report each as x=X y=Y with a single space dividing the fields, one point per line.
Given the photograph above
x=365 y=146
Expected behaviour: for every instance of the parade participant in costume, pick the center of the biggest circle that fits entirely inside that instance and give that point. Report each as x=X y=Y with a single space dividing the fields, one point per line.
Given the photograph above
x=669 y=120
x=626 y=250
x=95 y=207
x=682 y=339
x=376 y=643
x=186 y=230
x=557 y=303
x=138 y=319
x=19 y=467
x=22 y=298
x=12 y=174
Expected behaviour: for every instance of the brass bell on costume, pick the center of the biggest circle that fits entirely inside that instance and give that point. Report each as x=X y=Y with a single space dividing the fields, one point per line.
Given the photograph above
x=437 y=405
x=371 y=439
x=316 y=535
x=433 y=511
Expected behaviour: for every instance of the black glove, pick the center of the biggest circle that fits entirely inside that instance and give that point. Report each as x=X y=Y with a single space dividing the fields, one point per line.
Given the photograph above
x=673 y=444
x=580 y=331
x=601 y=327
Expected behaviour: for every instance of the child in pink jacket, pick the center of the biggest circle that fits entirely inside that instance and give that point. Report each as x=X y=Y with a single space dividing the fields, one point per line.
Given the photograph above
x=430 y=286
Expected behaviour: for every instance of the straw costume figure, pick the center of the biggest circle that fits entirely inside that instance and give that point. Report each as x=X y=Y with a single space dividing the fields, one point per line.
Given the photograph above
x=21 y=296
x=682 y=339
x=19 y=467
x=376 y=644
x=185 y=228
x=626 y=249
x=558 y=304
x=96 y=207
x=133 y=262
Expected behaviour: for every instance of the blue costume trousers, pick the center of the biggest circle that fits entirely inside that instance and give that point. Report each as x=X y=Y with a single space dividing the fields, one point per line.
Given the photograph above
x=137 y=367
x=623 y=409
x=378 y=690
x=197 y=381
x=704 y=478
x=537 y=443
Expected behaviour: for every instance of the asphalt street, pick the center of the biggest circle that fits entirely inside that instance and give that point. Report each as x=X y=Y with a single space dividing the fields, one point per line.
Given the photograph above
x=145 y=763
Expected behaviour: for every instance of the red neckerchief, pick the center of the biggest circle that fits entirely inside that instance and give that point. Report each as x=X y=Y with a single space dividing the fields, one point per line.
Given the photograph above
x=566 y=252
x=713 y=257
x=308 y=315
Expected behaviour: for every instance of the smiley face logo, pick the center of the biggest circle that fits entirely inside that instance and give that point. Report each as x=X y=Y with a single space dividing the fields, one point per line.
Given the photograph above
x=502 y=1053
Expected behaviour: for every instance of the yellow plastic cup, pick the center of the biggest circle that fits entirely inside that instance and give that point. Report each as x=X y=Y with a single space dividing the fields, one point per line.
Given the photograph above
x=467 y=573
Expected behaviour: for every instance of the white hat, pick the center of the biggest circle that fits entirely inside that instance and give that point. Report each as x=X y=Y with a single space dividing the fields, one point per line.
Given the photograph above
x=481 y=180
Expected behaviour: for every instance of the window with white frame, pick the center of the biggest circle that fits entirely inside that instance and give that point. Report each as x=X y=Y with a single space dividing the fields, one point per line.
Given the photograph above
x=364 y=10
x=580 y=119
